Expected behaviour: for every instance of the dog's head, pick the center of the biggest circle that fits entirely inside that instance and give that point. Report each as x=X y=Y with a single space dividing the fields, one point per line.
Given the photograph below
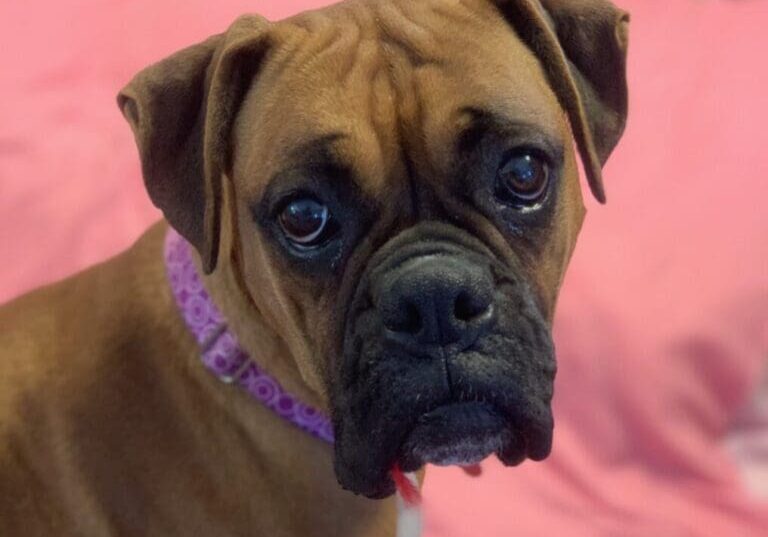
x=404 y=200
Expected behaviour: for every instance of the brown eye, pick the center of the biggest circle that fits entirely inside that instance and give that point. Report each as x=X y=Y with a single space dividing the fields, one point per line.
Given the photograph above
x=304 y=221
x=522 y=180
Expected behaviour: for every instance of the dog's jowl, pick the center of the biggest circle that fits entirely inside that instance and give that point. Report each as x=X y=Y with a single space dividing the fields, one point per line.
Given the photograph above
x=369 y=210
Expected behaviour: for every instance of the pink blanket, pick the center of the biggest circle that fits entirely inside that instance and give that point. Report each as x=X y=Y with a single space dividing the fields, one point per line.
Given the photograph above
x=662 y=328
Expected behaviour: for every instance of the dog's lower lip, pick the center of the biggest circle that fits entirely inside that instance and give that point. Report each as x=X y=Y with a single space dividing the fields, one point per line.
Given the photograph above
x=455 y=434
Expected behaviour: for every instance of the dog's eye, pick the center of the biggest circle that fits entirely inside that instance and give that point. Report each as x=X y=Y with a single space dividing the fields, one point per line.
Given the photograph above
x=305 y=222
x=522 y=179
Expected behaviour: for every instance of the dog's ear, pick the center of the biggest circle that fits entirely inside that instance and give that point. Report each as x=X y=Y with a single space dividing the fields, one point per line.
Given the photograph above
x=181 y=110
x=582 y=45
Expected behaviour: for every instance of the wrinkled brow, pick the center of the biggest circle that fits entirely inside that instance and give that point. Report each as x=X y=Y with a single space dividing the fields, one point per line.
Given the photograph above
x=483 y=122
x=315 y=166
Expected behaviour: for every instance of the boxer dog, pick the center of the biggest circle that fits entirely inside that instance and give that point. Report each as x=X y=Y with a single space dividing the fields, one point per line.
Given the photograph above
x=383 y=196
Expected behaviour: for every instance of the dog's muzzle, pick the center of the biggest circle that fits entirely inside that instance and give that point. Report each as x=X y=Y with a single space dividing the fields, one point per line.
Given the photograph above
x=434 y=303
x=446 y=360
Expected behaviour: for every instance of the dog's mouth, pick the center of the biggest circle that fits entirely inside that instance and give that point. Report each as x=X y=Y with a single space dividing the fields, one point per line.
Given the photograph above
x=456 y=434
x=446 y=360
x=406 y=415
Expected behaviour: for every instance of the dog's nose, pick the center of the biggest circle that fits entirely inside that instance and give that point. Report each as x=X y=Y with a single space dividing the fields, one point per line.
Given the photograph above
x=436 y=300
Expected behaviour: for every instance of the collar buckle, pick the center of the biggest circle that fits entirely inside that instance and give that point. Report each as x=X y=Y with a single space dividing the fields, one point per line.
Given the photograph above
x=242 y=368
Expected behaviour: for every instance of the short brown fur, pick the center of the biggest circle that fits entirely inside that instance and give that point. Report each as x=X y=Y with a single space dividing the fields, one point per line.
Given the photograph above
x=109 y=423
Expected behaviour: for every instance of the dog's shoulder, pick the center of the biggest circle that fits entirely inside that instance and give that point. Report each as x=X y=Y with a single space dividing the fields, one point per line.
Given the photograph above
x=68 y=352
x=50 y=328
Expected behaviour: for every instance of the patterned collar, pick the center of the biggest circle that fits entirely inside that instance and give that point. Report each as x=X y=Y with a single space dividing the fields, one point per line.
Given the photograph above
x=222 y=355
x=220 y=351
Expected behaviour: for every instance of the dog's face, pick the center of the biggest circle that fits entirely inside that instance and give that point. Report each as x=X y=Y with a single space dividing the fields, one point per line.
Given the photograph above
x=405 y=200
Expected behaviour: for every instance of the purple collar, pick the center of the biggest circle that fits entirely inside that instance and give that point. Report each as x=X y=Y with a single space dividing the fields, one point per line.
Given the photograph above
x=220 y=351
x=223 y=356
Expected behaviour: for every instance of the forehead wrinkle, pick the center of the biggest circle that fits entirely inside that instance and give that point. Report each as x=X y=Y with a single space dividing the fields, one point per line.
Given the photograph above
x=421 y=60
x=382 y=82
x=368 y=96
x=334 y=90
x=401 y=30
x=362 y=103
x=497 y=73
x=318 y=43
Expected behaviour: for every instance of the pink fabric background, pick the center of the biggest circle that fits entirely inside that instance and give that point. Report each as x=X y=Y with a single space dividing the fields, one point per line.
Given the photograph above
x=662 y=329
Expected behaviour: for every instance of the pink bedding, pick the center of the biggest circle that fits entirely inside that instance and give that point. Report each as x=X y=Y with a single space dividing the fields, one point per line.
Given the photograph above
x=662 y=328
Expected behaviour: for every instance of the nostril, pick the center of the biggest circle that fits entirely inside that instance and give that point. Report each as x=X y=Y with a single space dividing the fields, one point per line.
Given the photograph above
x=407 y=320
x=469 y=306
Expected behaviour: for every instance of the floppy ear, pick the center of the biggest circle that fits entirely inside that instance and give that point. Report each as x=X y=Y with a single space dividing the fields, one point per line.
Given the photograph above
x=583 y=47
x=181 y=110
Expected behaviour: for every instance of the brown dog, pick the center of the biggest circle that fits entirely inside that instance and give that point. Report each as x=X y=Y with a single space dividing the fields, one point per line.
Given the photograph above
x=384 y=198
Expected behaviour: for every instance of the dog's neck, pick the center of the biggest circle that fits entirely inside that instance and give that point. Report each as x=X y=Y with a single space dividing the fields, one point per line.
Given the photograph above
x=298 y=465
x=254 y=335
x=238 y=320
x=220 y=350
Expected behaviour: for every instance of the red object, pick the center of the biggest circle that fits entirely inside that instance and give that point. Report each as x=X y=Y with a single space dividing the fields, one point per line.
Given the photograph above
x=407 y=489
